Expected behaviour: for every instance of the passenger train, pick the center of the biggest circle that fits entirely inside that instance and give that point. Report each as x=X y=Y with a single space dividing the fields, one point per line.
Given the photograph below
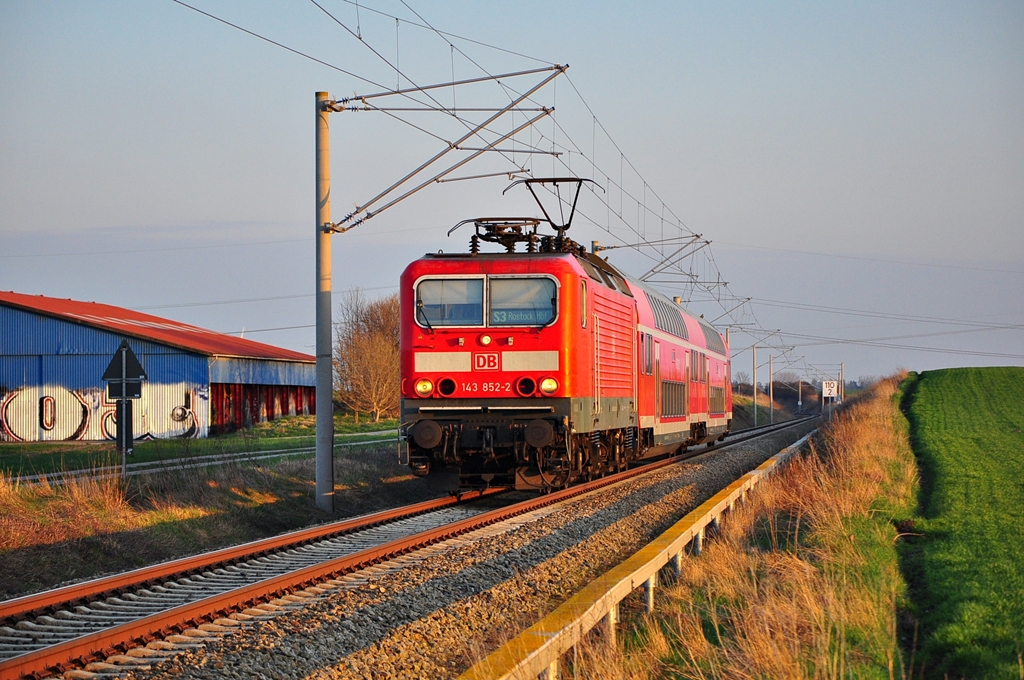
x=544 y=364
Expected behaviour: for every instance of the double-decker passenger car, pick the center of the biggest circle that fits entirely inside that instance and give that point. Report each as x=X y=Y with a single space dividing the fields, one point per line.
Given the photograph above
x=535 y=369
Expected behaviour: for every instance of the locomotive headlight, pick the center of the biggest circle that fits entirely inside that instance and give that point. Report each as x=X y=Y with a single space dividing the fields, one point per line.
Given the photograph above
x=485 y=340
x=548 y=385
x=424 y=387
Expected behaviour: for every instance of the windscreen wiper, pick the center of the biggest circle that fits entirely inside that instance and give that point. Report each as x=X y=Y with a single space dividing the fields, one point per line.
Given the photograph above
x=423 y=315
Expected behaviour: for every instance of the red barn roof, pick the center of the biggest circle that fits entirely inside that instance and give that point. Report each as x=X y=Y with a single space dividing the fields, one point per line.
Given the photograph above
x=149 y=327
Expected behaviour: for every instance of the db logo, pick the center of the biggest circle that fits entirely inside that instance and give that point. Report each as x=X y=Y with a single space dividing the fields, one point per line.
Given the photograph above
x=485 y=361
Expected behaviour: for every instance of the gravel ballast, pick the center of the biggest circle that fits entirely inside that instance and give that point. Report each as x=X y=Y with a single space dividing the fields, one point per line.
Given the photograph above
x=433 y=613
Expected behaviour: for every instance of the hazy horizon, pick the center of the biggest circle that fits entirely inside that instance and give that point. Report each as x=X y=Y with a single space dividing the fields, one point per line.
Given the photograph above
x=867 y=158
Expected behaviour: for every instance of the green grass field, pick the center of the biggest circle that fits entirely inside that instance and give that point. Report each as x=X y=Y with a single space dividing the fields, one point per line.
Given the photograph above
x=293 y=432
x=964 y=555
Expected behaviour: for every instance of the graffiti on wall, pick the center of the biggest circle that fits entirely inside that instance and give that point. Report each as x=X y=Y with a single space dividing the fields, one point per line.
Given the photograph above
x=55 y=413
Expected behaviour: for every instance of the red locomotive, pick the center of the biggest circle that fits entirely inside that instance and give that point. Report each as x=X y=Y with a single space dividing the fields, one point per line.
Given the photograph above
x=539 y=368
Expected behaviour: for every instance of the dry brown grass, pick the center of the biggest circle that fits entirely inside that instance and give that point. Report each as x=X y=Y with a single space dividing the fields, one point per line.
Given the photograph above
x=82 y=528
x=803 y=580
x=47 y=514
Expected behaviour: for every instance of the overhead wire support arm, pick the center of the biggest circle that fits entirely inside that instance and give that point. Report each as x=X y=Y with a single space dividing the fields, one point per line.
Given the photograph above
x=339 y=228
x=675 y=256
x=435 y=109
x=732 y=309
x=452 y=146
x=511 y=174
x=535 y=151
x=469 y=81
x=647 y=244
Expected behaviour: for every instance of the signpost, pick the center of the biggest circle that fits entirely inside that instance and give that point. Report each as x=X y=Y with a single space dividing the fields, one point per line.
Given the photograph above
x=124 y=376
x=829 y=390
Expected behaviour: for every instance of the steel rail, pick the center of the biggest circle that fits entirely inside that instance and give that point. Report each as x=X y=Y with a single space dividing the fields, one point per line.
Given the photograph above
x=80 y=651
x=17 y=609
x=173 y=464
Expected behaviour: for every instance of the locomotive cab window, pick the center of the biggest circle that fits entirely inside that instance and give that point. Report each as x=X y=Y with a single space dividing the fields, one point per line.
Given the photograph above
x=522 y=301
x=450 y=302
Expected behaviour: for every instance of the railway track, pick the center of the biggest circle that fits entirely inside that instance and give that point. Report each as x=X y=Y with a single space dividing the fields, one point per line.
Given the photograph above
x=115 y=618
x=187 y=463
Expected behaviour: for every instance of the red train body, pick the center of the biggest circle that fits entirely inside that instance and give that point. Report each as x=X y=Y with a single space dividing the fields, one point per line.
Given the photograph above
x=536 y=369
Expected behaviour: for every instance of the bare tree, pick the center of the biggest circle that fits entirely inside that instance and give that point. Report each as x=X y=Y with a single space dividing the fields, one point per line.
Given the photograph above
x=366 y=363
x=742 y=378
x=787 y=377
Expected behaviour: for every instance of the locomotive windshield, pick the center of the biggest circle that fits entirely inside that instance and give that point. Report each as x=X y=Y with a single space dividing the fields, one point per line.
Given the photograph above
x=518 y=301
x=522 y=302
x=450 y=302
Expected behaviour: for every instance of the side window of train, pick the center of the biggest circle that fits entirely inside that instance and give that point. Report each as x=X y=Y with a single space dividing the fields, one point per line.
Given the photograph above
x=583 y=303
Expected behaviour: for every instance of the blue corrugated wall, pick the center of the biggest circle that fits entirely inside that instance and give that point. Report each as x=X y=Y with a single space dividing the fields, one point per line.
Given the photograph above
x=51 y=387
x=261 y=372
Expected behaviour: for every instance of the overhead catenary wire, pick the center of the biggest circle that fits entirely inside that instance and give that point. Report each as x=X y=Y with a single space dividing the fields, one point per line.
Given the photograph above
x=701 y=272
x=304 y=55
x=474 y=130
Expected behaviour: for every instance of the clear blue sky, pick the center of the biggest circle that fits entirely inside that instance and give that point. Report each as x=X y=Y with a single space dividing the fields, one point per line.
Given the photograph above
x=862 y=156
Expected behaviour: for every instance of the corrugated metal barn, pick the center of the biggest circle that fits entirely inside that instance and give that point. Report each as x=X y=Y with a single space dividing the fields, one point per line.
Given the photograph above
x=54 y=351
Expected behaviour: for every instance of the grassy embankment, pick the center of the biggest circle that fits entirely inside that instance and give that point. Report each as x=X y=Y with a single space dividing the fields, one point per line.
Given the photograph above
x=743 y=411
x=294 y=432
x=964 y=557
x=845 y=566
x=51 y=534
x=804 y=579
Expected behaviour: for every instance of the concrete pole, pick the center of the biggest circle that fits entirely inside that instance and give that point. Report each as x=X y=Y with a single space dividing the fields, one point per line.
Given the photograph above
x=842 y=382
x=771 y=391
x=753 y=380
x=324 y=369
x=677 y=563
x=611 y=620
x=649 y=587
x=125 y=434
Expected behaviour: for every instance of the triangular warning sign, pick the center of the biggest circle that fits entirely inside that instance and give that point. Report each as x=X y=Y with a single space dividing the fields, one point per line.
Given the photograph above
x=132 y=369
